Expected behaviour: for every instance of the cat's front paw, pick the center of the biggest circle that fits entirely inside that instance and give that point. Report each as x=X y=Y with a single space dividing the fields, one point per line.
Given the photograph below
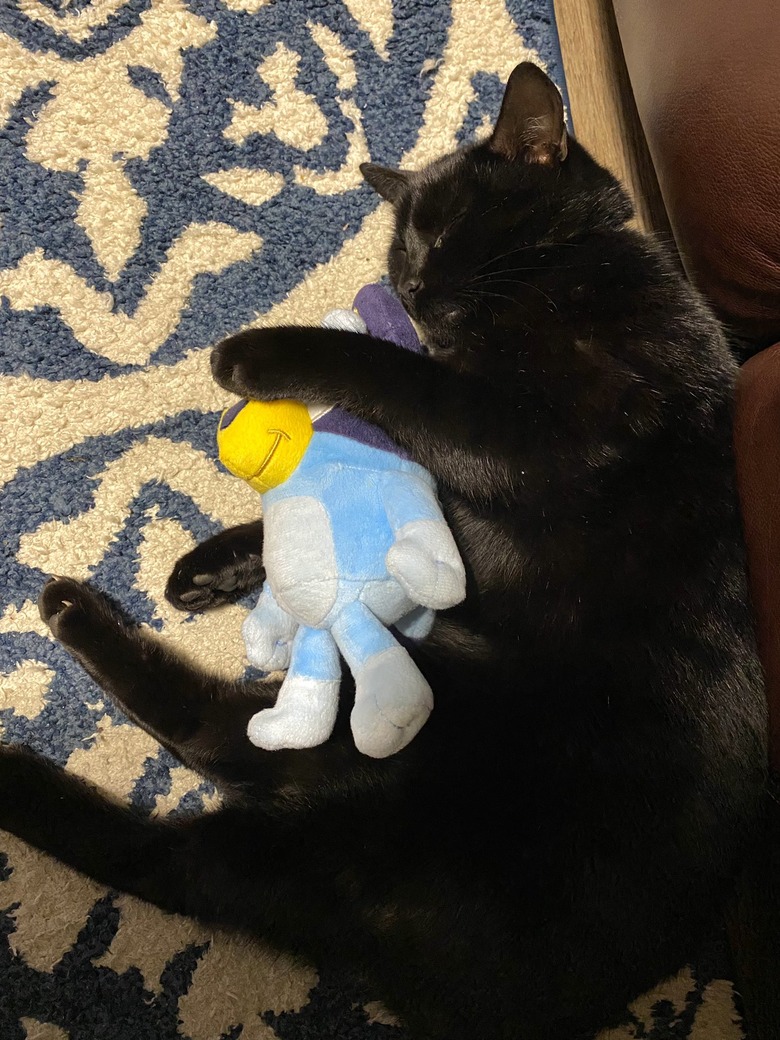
x=268 y=364
x=230 y=364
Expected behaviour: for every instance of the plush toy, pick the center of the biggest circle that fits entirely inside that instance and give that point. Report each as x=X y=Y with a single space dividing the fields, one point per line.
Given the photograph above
x=354 y=542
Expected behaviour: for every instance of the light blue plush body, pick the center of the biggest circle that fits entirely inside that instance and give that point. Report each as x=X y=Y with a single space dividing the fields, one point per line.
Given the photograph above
x=354 y=542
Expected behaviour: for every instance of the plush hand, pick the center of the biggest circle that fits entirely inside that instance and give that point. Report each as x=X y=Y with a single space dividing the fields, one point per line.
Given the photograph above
x=425 y=563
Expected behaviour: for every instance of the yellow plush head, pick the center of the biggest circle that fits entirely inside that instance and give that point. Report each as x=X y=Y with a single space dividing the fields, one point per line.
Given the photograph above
x=263 y=442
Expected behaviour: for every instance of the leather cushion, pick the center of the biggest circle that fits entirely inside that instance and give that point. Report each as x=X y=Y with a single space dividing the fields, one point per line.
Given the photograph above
x=706 y=79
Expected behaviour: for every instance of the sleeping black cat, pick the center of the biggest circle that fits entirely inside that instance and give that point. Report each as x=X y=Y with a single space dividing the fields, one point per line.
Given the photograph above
x=569 y=823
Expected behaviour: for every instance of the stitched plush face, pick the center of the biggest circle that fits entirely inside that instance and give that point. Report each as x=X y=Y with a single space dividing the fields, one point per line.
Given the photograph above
x=263 y=442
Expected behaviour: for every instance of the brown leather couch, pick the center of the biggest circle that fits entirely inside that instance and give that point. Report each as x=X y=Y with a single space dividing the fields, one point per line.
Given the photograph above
x=706 y=81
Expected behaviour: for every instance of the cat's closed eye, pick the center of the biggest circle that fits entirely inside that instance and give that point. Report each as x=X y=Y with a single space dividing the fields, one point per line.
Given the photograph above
x=448 y=228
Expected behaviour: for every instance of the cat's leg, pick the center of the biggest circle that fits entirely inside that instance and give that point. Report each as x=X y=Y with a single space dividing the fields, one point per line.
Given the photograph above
x=199 y=717
x=298 y=883
x=219 y=570
x=247 y=870
x=305 y=884
x=305 y=710
x=60 y=814
x=450 y=422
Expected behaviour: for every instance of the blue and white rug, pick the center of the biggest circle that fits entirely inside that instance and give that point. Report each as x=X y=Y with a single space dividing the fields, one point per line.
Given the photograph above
x=171 y=170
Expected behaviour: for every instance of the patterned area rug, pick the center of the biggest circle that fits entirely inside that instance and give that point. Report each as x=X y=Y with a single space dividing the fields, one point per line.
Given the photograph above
x=171 y=170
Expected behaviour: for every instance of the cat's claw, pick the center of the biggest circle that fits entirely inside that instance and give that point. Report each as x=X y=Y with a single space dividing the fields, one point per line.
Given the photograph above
x=72 y=609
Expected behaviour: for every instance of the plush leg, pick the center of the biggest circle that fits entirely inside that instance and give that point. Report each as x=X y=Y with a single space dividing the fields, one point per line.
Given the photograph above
x=392 y=698
x=268 y=634
x=306 y=708
x=417 y=624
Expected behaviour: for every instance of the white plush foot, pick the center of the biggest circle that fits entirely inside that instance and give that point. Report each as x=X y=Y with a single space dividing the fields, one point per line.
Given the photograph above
x=392 y=703
x=303 y=716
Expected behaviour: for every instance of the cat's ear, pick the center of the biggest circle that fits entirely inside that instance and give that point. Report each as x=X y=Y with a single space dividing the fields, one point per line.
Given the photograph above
x=530 y=124
x=390 y=184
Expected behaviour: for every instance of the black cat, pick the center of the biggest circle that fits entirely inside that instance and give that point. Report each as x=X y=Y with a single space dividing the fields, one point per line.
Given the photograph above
x=570 y=821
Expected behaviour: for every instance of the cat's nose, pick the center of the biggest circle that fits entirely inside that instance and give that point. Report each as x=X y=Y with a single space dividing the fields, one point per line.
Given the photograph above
x=411 y=287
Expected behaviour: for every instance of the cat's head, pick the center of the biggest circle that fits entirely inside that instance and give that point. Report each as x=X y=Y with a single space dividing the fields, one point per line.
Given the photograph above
x=473 y=228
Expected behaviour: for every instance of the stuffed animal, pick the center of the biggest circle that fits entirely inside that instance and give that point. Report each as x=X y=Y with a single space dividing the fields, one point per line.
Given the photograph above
x=354 y=542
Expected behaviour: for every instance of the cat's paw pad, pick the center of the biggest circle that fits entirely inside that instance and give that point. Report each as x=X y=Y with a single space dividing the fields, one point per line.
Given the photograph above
x=201 y=580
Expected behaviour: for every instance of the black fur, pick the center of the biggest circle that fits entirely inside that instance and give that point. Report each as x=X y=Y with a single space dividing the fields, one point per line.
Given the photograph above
x=569 y=823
